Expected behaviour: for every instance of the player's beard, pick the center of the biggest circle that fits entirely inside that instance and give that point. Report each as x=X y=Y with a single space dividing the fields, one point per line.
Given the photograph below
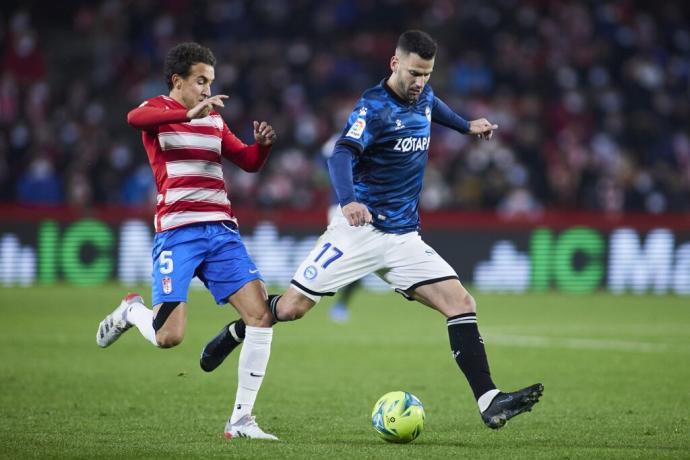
x=407 y=91
x=409 y=95
x=412 y=95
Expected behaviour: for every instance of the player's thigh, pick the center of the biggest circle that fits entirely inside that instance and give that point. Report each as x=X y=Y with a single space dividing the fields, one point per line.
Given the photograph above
x=411 y=264
x=449 y=297
x=251 y=301
x=176 y=255
x=342 y=255
x=228 y=268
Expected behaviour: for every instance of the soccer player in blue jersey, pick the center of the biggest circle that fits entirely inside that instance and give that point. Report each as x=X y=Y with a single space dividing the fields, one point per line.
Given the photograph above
x=377 y=169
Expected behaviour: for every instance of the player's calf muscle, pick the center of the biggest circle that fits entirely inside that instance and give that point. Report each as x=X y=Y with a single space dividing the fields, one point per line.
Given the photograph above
x=293 y=305
x=171 y=333
x=169 y=339
x=169 y=323
x=291 y=313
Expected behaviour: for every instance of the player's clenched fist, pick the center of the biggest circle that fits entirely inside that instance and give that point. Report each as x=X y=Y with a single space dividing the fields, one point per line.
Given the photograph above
x=264 y=133
x=357 y=214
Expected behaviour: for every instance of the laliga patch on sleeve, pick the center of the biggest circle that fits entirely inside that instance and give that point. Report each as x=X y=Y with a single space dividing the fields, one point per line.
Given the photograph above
x=357 y=129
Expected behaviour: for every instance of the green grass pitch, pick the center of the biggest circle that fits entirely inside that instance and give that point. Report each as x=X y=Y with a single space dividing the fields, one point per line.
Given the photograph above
x=615 y=369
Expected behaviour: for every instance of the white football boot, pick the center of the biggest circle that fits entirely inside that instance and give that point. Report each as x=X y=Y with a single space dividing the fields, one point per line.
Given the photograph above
x=115 y=324
x=246 y=427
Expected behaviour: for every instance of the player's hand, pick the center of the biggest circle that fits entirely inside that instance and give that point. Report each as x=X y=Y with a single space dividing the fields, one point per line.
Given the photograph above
x=204 y=107
x=357 y=214
x=482 y=128
x=264 y=133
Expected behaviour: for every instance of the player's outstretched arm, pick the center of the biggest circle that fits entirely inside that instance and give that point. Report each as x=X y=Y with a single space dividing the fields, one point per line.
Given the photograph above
x=444 y=116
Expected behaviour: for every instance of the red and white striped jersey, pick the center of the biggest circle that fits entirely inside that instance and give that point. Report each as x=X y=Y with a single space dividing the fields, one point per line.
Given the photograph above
x=185 y=156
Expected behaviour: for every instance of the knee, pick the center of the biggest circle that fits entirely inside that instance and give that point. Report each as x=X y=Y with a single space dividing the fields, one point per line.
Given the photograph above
x=262 y=318
x=167 y=339
x=468 y=304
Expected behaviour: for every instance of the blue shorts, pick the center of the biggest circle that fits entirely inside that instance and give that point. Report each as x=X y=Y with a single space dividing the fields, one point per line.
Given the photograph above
x=213 y=252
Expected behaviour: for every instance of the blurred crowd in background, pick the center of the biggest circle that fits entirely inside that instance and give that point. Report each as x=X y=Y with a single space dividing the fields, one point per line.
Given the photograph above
x=592 y=98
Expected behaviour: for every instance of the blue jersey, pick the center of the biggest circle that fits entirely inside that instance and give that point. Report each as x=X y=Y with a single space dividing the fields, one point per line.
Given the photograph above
x=392 y=138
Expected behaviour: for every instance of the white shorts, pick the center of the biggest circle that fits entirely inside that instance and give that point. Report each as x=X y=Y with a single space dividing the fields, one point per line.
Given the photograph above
x=344 y=254
x=333 y=211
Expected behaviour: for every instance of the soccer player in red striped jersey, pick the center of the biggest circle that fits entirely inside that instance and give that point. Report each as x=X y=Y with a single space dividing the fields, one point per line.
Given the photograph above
x=196 y=232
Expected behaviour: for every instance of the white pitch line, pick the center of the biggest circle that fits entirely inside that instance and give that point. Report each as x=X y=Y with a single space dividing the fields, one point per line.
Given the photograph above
x=535 y=341
x=582 y=343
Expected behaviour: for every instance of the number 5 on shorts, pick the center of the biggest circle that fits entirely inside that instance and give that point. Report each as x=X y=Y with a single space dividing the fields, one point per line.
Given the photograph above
x=165 y=262
x=338 y=254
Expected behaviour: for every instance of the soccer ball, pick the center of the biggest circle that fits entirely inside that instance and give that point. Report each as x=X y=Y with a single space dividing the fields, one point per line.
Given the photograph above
x=398 y=417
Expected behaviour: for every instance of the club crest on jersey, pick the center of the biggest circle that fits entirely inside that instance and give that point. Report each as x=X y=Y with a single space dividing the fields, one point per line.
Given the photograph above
x=310 y=272
x=427 y=113
x=167 y=285
x=363 y=112
x=357 y=129
x=411 y=144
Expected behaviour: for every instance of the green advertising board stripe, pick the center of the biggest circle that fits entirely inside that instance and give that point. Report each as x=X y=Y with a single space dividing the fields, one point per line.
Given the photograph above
x=574 y=260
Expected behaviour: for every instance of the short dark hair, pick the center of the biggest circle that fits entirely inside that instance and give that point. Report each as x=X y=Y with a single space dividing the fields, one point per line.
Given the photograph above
x=182 y=57
x=419 y=42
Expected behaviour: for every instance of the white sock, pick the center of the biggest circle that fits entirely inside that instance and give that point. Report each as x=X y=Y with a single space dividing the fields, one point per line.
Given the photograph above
x=254 y=355
x=142 y=318
x=484 y=400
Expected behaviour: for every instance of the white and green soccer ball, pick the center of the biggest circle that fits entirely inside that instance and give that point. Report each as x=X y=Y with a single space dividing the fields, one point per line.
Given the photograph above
x=398 y=416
